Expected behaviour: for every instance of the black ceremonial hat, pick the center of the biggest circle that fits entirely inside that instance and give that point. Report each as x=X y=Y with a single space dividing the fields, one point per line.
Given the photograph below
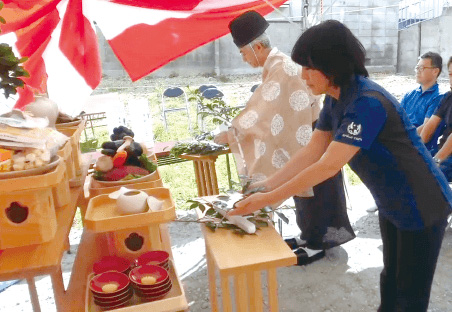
x=247 y=27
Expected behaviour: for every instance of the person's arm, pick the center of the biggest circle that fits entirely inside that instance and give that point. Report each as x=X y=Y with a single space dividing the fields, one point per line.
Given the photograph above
x=419 y=129
x=446 y=150
x=429 y=128
x=431 y=109
x=335 y=157
x=301 y=160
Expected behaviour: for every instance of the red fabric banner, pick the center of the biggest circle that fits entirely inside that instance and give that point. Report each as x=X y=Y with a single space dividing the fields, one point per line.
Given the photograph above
x=163 y=31
x=78 y=41
x=144 y=48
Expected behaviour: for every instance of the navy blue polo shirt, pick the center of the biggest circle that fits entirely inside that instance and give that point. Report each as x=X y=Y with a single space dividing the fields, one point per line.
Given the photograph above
x=420 y=105
x=392 y=162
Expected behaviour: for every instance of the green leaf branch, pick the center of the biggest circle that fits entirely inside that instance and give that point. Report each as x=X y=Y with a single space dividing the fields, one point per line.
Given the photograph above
x=10 y=67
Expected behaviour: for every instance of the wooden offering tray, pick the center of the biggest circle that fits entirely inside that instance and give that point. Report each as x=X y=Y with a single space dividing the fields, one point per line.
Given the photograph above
x=154 y=176
x=173 y=301
x=95 y=191
x=102 y=214
x=69 y=124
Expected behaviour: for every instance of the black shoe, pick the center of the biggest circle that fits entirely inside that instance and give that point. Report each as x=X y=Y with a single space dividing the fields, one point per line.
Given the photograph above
x=304 y=259
x=292 y=243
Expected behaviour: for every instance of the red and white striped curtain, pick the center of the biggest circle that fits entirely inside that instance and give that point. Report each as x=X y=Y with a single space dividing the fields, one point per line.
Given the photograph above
x=59 y=39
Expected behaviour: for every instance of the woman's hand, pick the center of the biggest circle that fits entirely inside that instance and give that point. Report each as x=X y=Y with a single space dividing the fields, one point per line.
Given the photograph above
x=259 y=186
x=221 y=138
x=250 y=204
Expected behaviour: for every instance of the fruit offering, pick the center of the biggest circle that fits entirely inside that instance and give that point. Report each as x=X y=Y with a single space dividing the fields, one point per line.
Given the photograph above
x=120 y=132
x=122 y=159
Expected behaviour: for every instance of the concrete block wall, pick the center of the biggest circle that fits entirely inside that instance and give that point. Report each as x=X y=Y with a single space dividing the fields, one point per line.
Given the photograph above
x=374 y=23
x=432 y=35
x=376 y=28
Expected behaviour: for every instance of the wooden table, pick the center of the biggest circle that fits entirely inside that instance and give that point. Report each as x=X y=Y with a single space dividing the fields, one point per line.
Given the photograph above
x=205 y=171
x=243 y=258
x=44 y=259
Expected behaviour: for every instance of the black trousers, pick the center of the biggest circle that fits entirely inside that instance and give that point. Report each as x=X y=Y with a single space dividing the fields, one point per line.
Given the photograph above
x=409 y=259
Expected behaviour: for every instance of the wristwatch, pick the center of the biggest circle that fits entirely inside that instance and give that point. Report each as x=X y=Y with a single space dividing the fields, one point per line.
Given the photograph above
x=436 y=160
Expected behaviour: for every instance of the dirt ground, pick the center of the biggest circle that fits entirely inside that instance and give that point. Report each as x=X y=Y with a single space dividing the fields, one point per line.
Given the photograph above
x=347 y=279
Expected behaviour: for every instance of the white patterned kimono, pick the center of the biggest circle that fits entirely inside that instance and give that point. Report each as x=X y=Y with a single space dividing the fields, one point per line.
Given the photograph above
x=277 y=120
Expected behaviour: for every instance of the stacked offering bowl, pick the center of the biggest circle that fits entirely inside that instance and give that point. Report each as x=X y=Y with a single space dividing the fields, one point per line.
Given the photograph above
x=111 y=289
x=150 y=282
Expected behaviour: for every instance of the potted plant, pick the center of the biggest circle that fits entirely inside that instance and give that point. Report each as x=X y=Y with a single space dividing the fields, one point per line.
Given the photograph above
x=10 y=67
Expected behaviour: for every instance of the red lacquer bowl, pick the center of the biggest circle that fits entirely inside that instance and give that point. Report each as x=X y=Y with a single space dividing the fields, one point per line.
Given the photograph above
x=153 y=293
x=104 y=303
x=118 y=297
x=111 y=263
x=121 y=281
x=137 y=274
x=154 y=257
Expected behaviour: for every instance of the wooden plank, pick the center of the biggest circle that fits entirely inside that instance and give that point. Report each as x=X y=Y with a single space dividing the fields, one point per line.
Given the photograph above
x=212 y=281
x=207 y=177
x=154 y=237
x=241 y=293
x=255 y=291
x=198 y=177
x=58 y=289
x=272 y=290
x=166 y=239
x=202 y=178
x=225 y=293
x=33 y=294
x=213 y=178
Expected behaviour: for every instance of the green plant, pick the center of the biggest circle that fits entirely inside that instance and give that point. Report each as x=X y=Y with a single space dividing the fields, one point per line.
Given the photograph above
x=10 y=68
x=214 y=220
x=215 y=109
x=195 y=147
x=89 y=145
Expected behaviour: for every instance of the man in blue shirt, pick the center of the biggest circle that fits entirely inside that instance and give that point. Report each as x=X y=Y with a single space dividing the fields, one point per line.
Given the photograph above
x=420 y=103
x=442 y=118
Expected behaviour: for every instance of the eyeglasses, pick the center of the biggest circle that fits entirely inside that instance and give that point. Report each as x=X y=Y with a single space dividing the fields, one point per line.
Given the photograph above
x=421 y=68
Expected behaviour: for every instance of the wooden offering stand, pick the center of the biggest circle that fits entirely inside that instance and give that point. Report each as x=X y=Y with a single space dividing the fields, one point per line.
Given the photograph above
x=41 y=258
x=205 y=171
x=27 y=207
x=243 y=259
x=109 y=233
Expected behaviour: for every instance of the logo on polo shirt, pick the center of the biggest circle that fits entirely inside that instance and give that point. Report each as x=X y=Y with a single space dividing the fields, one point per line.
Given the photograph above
x=354 y=129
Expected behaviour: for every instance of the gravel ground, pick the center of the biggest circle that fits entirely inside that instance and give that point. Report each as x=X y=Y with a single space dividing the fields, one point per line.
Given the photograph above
x=347 y=279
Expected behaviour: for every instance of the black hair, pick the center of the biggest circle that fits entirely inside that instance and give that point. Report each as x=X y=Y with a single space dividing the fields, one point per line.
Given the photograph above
x=331 y=48
x=450 y=62
x=435 y=58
